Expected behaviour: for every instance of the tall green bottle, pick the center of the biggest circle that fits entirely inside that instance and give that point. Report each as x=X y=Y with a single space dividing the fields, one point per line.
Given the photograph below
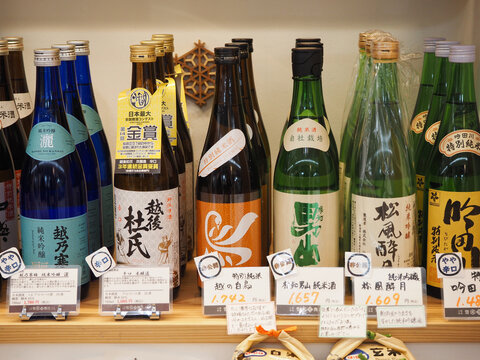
x=383 y=179
x=425 y=92
x=453 y=177
x=306 y=188
x=425 y=146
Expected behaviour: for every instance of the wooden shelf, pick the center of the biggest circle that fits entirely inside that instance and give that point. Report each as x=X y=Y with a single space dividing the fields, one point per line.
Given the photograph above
x=186 y=324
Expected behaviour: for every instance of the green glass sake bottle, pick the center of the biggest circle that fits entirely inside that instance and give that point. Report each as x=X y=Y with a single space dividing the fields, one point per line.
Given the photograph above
x=306 y=188
x=383 y=179
x=453 y=178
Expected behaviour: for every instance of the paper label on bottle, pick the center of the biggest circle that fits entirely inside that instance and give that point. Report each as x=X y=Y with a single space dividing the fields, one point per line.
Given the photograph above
x=49 y=141
x=183 y=100
x=92 y=119
x=182 y=184
x=139 y=133
x=257 y=118
x=147 y=230
x=418 y=122
x=23 y=101
x=93 y=212
x=249 y=132
x=169 y=108
x=8 y=216
x=420 y=179
x=341 y=209
x=8 y=113
x=307 y=224
x=56 y=242
x=306 y=133
x=221 y=152
x=107 y=215
x=77 y=129
x=327 y=125
x=460 y=141
x=432 y=132
x=18 y=175
x=190 y=216
x=233 y=230
x=453 y=226
x=384 y=227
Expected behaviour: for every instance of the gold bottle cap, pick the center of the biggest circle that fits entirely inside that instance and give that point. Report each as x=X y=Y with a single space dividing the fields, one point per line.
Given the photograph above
x=3 y=47
x=159 y=46
x=385 y=48
x=142 y=53
x=167 y=41
x=82 y=47
x=67 y=51
x=15 y=43
x=370 y=36
x=46 y=57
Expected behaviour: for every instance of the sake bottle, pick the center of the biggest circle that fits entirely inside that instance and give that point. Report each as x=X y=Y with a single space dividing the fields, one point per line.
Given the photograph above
x=430 y=130
x=425 y=92
x=83 y=143
x=146 y=202
x=23 y=100
x=53 y=200
x=8 y=197
x=306 y=188
x=383 y=178
x=228 y=192
x=97 y=134
x=453 y=177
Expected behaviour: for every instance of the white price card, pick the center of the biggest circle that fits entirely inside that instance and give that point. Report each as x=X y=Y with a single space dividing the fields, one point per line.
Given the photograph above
x=357 y=264
x=282 y=264
x=390 y=287
x=10 y=262
x=100 y=261
x=302 y=293
x=401 y=317
x=236 y=285
x=45 y=290
x=208 y=265
x=461 y=297
x=343 y=321
x=244 y=318
x=449 y=265
x=135 y=289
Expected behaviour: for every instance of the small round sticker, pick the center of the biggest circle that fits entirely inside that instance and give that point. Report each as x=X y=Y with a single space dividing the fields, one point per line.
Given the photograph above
x=282 y=263
x=358 y=264
x=449 y=264
x=10 y=262
x=209 y=267
x=101 y=261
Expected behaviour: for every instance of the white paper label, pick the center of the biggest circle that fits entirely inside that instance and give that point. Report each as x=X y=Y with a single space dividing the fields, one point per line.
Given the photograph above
x=282 y=264
x=10 y=262
x=8 y=215
x=209 y=265
x=460 y=141
x=343 y=321
x=236 y=285
x=461 y=297
x=357 y=264
x=100 y=261
x=401 y=317
x=306 y=133
x=308 y=225
x=303 y=293
x=8 y=113
x=23 y=101
x=449 y=265
x=385 y=228
x=432 y=132
x=418 y=122
x=222 y=151
x=250 y=132
x=136 y=289
x=244 y=318
x=43 y=290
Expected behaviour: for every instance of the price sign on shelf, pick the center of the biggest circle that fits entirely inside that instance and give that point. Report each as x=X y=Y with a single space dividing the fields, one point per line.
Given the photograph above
x=234 y=286
x=302 y=293
x=389 y=287
x=342 y=321
x=461 y=296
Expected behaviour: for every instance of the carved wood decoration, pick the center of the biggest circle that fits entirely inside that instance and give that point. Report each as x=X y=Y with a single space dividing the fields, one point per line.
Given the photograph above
x=199 y=67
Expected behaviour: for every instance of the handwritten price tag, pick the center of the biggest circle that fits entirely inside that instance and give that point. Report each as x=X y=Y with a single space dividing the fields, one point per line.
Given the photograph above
x=461 y=297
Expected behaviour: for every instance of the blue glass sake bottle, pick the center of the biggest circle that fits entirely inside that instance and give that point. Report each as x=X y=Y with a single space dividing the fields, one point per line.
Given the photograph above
x=95 y=129
x=53 y=200
x=83 y=143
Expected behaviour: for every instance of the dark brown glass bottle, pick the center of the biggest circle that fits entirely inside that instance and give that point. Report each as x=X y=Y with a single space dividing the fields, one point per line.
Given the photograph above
x=134 y=192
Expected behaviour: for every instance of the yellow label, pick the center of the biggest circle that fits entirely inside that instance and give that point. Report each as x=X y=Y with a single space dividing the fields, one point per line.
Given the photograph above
x=139 y=132
x=453 y=226
x=418 y=122
x=183 y=101
x=169 y=108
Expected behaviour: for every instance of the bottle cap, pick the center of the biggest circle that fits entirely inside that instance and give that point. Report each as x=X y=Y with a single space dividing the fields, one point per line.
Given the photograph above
x=46 y=57
x=385 y=48
x=3 y=47
x=82 y=47
x=306 y=40
x=244 y=48
x=362 y=40
x=430 y=42
x=15 y=43
x=142 y=53
x=67 y=51
x=318 y=45
x=307 y=61
x=462 y=54
x=249 y=41
x=442 y=48
x=226 y=55
x=370 y=36
x=159 y=46
x=167 y=41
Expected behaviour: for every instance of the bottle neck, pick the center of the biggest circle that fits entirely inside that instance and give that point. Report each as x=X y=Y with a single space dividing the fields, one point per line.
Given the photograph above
x=385 y=86
x=462 y=88
x=428 y=70
x=5 y=84
x=17 y=69
x=68 y=76
x=84 y=81
x=441 y=76
x=307 y=98
x=251 y=81
x=48 y=96
x=160 y=68
x=245 y=84
x=143 y=76
x=169 y=65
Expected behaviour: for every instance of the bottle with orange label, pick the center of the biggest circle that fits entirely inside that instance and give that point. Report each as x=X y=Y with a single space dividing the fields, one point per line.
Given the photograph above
x=453 y=178
x=228 y=193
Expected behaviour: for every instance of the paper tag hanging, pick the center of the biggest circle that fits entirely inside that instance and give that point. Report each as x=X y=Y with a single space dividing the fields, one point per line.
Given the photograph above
x=169 y=108
x=183 y=101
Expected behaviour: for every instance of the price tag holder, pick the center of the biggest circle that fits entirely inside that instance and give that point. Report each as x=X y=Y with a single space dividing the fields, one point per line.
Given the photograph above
x=461 y=296
x=244 y=318
x=235 y=285
x=135 y=291
x=45 y=291
x=301 y=294
x=343 y=321
x=401 y=317
x=390 y=287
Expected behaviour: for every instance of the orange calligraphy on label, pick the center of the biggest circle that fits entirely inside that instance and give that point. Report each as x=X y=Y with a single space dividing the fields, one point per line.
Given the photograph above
x=418 y=122
x=460 y=141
